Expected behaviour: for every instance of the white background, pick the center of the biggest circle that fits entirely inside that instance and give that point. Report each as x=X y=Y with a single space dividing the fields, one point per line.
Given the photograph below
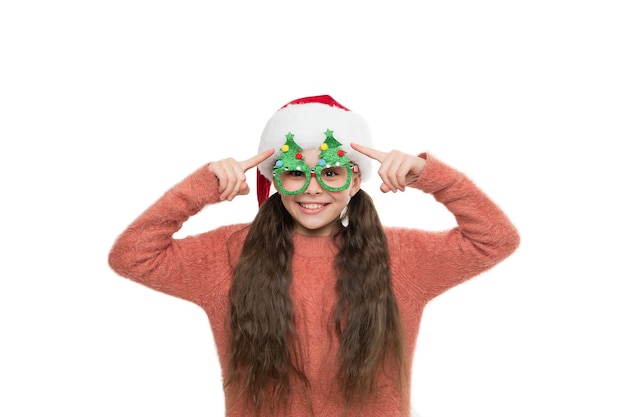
x=105 y=105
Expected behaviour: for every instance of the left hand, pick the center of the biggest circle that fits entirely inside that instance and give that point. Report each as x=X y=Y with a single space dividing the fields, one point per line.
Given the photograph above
x=397 y=169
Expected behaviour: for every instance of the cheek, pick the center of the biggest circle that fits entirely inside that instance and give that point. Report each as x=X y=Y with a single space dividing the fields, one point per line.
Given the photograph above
x=345 y=197
x=289 y=203
x=285 y=199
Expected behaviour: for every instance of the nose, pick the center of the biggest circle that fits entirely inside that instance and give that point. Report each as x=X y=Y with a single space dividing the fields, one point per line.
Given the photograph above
x=314 y=186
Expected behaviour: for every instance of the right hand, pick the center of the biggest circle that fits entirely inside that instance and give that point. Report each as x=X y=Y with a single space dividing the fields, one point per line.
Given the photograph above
x=231 y=174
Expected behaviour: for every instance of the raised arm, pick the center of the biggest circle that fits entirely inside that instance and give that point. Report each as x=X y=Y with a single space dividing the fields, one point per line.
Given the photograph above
x=434 y=261
x=147 y=252
x=483 y=237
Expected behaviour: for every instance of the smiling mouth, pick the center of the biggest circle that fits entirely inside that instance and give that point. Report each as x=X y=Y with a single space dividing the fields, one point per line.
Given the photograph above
x=312 y=206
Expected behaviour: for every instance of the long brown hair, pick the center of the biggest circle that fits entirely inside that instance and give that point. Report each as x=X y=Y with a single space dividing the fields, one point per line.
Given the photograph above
x=265 y=357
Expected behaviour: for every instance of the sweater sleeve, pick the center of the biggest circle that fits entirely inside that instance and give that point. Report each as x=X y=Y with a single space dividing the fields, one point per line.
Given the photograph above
x=433 y=262
x=188 y=268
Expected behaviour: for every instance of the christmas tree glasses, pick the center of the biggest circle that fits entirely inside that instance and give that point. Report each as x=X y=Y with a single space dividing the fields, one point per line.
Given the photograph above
x=333 y=171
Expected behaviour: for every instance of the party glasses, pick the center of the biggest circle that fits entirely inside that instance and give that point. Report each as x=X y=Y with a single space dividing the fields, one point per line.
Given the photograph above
x=296 y=180
x=333 y=171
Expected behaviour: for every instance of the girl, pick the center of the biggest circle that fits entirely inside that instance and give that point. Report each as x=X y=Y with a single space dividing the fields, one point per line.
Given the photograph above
x=314 y=306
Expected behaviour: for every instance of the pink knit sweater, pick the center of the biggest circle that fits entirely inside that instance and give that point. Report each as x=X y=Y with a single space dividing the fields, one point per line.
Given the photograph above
x=424 y=264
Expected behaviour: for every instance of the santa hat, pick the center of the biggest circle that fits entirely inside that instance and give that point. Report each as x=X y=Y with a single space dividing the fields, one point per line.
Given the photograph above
x=308 y=119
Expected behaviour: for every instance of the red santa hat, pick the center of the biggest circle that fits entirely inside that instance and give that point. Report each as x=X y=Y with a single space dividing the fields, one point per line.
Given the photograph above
x=308 y=119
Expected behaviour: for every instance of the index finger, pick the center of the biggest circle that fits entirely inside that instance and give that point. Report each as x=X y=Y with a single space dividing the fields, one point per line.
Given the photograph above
x=256 y=160
x=369 y=152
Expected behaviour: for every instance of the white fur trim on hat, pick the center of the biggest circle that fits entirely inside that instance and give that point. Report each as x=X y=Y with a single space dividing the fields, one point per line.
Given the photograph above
x=308 y=119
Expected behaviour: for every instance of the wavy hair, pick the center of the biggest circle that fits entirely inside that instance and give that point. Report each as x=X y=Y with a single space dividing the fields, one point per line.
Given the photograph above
x=265 y=355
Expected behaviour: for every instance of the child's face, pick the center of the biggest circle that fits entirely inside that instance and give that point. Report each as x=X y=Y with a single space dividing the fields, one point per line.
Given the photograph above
x=316 y=209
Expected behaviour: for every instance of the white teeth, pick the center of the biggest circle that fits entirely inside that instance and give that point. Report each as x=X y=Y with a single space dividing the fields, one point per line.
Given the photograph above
x=312 y=206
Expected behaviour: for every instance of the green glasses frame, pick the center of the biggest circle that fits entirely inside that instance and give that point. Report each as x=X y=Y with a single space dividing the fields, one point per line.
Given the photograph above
x=308 y=171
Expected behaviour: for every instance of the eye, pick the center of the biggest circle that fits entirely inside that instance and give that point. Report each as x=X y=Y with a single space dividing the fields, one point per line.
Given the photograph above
x=330 y=172
x=295 y=174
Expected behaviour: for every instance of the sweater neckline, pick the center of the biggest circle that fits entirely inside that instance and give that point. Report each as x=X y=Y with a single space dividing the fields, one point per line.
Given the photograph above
x=313 y=246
